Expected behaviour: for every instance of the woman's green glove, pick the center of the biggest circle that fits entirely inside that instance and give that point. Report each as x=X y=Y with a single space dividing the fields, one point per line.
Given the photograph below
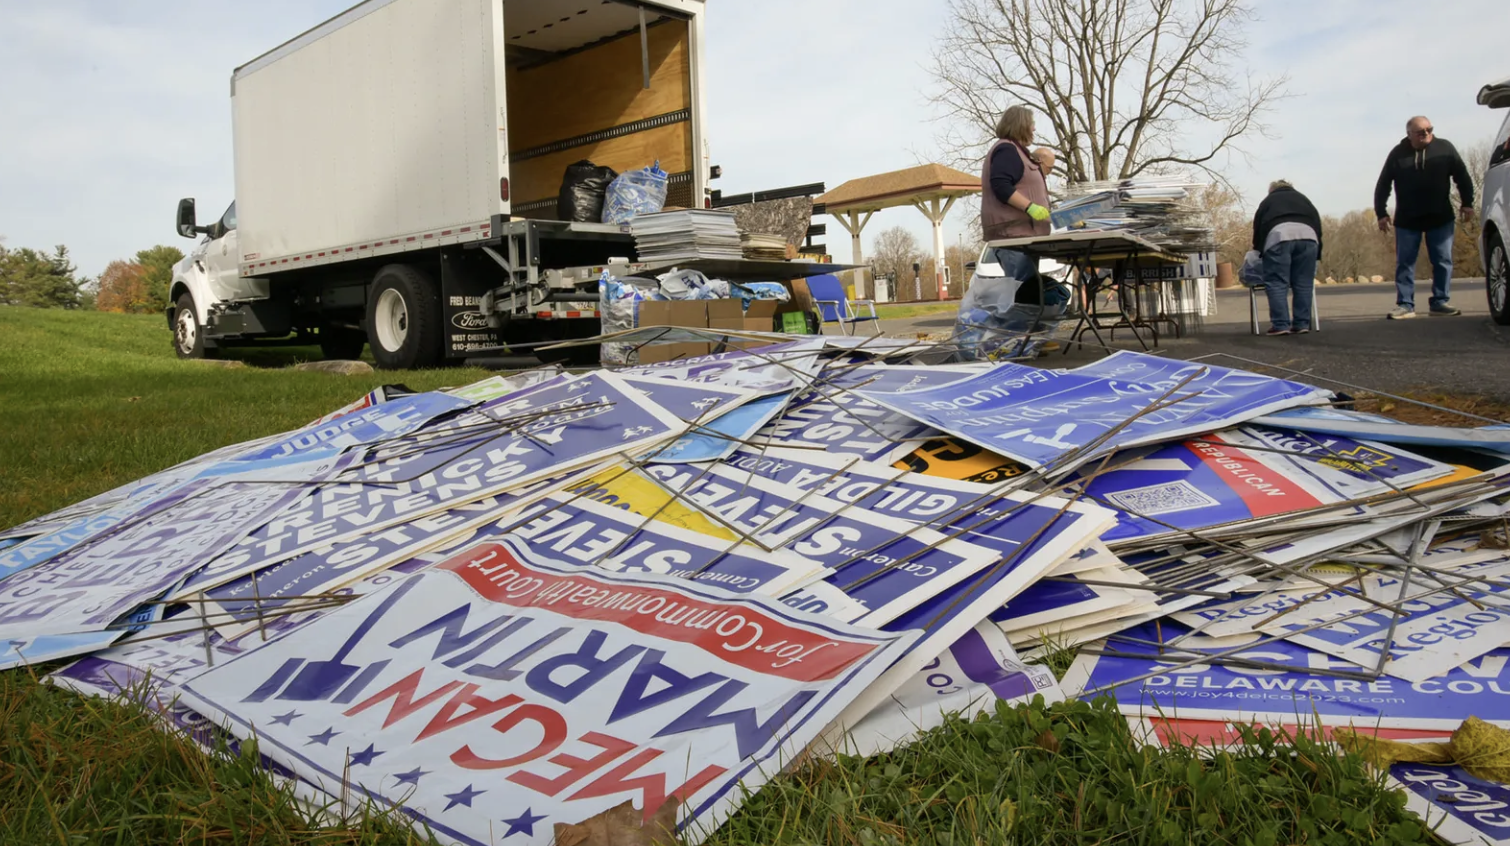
x=1037 y=212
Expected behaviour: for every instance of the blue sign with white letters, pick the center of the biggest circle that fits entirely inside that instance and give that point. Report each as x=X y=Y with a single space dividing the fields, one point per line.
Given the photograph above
x=1040 y=416
x=1459 y=807
x=1479 y=688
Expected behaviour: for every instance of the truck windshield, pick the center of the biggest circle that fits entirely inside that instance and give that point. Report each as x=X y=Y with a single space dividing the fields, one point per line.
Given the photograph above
x=228 y=220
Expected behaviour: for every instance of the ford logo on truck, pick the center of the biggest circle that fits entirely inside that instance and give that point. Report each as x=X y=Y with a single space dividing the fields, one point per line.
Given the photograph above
x=470 y=320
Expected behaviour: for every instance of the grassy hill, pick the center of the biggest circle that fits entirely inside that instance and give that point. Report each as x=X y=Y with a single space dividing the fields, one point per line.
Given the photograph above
x=93 y=400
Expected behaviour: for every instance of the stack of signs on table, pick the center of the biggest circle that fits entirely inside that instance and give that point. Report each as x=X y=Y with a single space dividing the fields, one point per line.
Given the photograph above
x=525 y=601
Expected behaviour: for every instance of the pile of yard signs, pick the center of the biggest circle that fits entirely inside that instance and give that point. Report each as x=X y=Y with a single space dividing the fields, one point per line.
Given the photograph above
x=525 y=601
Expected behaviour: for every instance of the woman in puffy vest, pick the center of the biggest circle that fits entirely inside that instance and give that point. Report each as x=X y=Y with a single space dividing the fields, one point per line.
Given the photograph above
x=1015 y=204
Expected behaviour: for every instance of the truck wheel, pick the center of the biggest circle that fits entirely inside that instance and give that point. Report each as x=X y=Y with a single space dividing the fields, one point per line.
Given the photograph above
x=403 y=319
x=1497 y=279
x=341 y=343
x=188 y=335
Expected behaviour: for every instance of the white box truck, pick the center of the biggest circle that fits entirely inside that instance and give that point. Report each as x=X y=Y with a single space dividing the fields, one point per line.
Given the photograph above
x=397 y=171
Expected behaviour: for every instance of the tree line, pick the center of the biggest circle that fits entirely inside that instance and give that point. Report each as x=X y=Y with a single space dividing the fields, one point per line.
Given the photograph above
x=1354 y=247
x=40 y=279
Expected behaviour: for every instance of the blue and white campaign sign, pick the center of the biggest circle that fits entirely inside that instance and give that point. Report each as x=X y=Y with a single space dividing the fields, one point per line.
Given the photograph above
x=91 y=585
x=1094 y=557
x=148 y=667
x=1438 y=629
x=978 y=513
x=1458 y=807
x=72 y=515
x=493 y=387
x=1201 y=483
x=19 y=652
x=118 y=500
x=693 y=402
x=717 y=438
x=337 y=564
x=563 y=422
x=574 y=528
x=1356 y=468
x=1360 y=425
x=570 y=423
x=778 y=368
x=1479 y=688
x=887 y=565
x=832 y=416
x=66 y=529
x=1250 y=610
x=131 y=498
x=1040 y=416
x=497 y=694
x=334 y=565
x=970 y=677
x=34 y=551
x=1244 y=614
x=1044 y=604
x=369 y=426
x=376 y=396
x=586 y=523
x=946 y=617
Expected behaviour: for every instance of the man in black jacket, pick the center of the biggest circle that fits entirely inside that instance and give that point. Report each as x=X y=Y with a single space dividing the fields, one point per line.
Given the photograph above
x=1287 y=231
x=1419 y=169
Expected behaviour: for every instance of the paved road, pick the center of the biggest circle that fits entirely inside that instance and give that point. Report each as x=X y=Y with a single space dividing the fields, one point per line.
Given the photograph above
x=1356 y=345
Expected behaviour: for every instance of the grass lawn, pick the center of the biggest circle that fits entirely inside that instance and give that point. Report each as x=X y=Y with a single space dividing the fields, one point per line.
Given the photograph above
x=896 y=312
x=95 y=400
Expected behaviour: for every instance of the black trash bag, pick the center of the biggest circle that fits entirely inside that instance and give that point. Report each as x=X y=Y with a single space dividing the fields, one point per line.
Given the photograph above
x=582 y=190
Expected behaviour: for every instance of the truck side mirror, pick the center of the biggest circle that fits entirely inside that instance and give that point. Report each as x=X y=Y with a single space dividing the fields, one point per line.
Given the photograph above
x=187 y=222
x=970 y=266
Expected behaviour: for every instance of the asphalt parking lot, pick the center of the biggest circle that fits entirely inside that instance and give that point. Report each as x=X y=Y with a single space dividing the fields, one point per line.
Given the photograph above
x=1356 y=345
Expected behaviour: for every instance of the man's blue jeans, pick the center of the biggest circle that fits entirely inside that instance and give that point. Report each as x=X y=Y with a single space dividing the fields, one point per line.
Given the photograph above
x=1290 y=266
x=1028 y=311
x=1407 y=248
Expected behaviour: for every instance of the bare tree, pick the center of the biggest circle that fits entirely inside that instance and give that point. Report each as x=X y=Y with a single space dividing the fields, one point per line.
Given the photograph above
x=1466 y=261
x=1232 y=228
x=893 y=252
x=1354 y=248
x=1121 y=87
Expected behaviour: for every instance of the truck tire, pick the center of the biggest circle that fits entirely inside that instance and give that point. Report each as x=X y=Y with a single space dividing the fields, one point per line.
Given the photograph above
x=188 y=335
x=403 y=319
x=341 y=343
x=1497 y=278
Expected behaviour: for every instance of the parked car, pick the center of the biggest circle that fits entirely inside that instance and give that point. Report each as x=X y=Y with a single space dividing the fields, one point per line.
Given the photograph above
x=1493 y=215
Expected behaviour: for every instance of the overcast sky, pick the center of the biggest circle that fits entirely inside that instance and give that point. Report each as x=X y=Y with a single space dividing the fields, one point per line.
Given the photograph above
x=111 y=110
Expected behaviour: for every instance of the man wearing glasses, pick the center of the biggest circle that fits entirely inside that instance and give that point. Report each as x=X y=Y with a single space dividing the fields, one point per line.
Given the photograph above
x=1419 y=170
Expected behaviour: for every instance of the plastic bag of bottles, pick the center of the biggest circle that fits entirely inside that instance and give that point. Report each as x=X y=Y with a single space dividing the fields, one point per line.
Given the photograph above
x=635 y=192
x=619 y=309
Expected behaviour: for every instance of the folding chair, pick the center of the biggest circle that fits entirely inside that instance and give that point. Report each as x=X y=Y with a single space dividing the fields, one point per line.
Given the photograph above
x=1253 y=293
x=836 y=307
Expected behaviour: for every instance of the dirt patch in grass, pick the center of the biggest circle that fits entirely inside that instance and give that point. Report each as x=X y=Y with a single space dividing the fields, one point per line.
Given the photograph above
x=1460 y=410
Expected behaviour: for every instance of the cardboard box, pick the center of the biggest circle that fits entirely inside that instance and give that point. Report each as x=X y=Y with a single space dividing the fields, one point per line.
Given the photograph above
x=727 y=314
x=693 y=313
x=653 y=353
x=761 y=316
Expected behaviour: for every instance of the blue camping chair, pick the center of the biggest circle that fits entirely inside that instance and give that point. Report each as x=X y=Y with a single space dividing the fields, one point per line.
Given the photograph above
x=836 y=307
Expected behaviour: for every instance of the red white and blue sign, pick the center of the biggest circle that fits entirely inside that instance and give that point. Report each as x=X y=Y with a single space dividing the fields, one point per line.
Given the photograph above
x=497 y=694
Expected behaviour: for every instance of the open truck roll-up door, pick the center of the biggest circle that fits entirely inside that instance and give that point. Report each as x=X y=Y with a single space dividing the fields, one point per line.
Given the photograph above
x=617 y=84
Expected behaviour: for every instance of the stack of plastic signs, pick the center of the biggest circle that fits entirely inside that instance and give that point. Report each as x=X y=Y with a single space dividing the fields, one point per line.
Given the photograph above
x=550 y=593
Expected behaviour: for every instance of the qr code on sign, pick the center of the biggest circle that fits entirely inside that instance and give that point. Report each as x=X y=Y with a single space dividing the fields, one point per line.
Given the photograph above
x=1167 y=498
